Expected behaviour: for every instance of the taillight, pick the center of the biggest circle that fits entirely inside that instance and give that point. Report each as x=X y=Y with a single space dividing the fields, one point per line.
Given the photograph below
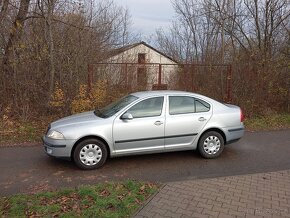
x=242 y=116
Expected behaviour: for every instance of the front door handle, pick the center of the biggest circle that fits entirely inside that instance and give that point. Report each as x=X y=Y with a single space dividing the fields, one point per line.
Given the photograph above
x=201 y=119
x=158 y=123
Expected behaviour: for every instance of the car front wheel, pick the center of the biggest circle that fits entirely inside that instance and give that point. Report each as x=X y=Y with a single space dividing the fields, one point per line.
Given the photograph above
x=90 y=154
x=211 y=144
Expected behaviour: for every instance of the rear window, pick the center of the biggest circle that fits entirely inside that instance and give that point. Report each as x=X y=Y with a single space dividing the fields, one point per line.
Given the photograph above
x=201 y=106
x=187 y=104
x=181 y=105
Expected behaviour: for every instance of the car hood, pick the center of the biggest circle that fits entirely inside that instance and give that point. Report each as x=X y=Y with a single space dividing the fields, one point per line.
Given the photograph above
x=85 y=117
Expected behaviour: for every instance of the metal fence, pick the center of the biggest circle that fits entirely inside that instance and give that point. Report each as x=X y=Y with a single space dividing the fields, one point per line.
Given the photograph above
x=212 y=80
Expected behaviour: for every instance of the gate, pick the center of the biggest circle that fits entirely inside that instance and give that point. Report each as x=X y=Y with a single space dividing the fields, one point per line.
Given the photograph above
x=213 y=80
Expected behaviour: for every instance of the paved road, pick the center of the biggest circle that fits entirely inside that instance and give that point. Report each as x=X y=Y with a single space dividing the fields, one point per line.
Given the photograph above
x=28 y=169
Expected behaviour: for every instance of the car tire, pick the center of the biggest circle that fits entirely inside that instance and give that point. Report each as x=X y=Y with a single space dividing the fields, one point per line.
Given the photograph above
x=211 y=145
x=90 y=154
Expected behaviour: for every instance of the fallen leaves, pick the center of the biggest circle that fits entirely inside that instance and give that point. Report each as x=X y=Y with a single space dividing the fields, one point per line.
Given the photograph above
x=42 y=186
x=5 y=206
x=110 y=206
x=32 y=214
x=104 y=193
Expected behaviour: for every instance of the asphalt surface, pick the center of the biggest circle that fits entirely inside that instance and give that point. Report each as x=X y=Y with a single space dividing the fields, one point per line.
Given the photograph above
x=30 y=170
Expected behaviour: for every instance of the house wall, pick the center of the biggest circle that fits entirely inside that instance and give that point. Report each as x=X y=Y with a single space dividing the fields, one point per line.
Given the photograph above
x=168 y=72
x=131 y=56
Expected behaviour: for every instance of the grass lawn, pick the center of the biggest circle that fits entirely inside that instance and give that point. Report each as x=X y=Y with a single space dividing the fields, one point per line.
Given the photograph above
x=102 y=200
x=273 y=122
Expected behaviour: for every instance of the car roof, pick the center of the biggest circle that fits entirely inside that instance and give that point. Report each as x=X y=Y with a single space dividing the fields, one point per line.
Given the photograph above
x=161 y=92
x=145 y=94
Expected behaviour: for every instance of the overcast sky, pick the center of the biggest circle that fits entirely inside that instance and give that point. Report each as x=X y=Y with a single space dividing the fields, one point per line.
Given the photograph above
x=148 y=15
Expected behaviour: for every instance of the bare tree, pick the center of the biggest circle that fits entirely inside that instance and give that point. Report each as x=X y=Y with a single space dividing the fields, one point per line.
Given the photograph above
x=46 y=8
x=51 y=42
x=3 y=11
x=8 y=72
x=252 y=35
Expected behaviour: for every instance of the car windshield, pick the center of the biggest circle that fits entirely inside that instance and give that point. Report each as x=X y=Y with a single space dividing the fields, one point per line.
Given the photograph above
x=115 y=107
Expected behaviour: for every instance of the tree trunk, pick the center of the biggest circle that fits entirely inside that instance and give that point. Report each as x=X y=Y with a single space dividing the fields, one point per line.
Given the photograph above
x=51 y=47
x=14 y=38
x=3 y=11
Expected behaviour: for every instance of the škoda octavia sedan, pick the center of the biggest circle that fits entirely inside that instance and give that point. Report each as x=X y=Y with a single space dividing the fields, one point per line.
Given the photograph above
x=145 y=122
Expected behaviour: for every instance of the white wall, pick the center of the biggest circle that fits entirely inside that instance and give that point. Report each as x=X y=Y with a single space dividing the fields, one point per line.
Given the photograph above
x=131 y=56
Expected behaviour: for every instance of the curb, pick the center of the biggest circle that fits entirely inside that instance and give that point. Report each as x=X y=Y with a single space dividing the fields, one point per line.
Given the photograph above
x=148 y=200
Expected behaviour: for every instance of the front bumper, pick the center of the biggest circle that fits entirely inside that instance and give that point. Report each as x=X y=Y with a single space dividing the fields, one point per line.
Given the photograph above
x=57 y=148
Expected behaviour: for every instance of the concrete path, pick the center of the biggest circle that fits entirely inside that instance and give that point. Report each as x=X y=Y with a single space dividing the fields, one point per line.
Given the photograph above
x=255 y=195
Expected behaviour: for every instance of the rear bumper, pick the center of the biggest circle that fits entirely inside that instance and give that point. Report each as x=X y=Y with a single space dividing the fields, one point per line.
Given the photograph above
x=234 y=134
x=57 y=148
x=232 y=141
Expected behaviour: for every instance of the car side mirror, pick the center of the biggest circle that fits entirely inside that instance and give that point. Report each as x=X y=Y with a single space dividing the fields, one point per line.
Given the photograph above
x=127 y=116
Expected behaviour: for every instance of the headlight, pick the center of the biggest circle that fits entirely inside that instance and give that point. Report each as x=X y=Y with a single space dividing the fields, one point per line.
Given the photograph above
x=55 y=135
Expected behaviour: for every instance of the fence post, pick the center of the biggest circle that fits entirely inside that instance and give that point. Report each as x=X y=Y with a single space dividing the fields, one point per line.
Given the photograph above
x=90 y=77
x=229 y=84
x=159 y=75
x=192 y=75
x=126 y=75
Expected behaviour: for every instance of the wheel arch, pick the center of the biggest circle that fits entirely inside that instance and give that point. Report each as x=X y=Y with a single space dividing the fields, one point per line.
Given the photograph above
x=90 y=137
x=215 y=130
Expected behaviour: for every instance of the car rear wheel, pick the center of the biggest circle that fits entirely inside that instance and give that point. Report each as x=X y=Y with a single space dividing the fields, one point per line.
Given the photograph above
x=211 y=144
x=90 y=154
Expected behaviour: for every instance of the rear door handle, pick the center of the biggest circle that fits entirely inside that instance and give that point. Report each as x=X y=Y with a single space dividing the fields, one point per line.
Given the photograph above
x=201 y=119
x=158 y=123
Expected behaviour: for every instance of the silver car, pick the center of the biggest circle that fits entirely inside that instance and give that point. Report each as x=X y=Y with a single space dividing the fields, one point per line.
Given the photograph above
x=145 y=122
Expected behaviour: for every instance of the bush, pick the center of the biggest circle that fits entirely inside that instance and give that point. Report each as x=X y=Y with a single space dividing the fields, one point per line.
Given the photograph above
x=85 y=101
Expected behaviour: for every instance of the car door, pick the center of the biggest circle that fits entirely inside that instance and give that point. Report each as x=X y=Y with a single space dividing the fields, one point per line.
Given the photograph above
x=145 y=131
x=185 y=118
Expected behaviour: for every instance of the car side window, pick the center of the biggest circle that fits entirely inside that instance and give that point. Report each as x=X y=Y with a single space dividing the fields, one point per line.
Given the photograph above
x=181 y=105
x=201 y=106
x=147 y=108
